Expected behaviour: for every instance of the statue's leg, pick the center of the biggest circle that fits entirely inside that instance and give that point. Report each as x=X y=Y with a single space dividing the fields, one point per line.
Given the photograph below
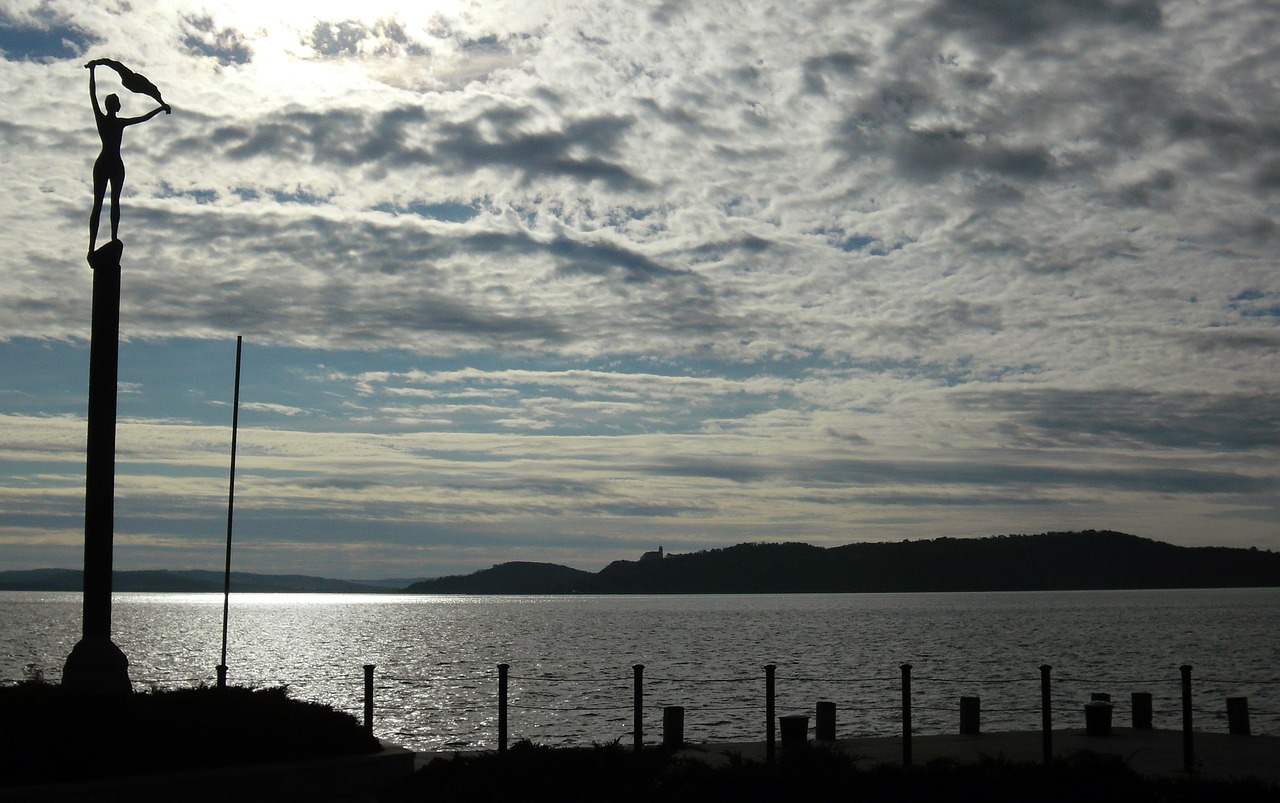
x=99 y=189
x=117 y=184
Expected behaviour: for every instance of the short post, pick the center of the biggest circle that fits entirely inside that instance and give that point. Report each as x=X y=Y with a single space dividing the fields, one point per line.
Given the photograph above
x=1188 y=749
x=1046 y=714
x=970 y=716
x=637 y=707
x=1141 y=703
x=1099 y=697
x=673 y=727
x=368 y=698
x=502 y=708
x=906 y=715
x=1238 y=716
x=222 y=676
x=770 y=743
x=1097 y=718
x=824 y=729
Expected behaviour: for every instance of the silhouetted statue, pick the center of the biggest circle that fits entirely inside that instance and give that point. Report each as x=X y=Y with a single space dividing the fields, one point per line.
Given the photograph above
x=109 y=167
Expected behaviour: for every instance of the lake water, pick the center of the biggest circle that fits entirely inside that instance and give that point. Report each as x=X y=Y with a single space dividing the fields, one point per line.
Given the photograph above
x=571 y=657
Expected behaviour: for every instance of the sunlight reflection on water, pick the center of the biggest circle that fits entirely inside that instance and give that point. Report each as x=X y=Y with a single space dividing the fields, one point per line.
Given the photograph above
x=571 y=657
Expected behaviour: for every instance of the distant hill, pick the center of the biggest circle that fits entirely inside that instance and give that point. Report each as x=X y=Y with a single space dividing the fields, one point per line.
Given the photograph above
x=185 y=581
x=1049 y=561
x=510 y=578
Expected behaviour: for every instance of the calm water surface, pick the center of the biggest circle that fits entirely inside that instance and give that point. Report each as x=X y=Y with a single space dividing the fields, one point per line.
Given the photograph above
x=571 y=657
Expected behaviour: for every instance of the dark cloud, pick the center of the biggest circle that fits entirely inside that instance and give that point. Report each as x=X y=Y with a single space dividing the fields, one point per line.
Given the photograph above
x=1231 y=139
x=501 y=137
x=1013 y=474
x=583 y=149
x=227 y=45
x=347 y=38
x=817 y=68
x=1127 y=418
x=927 y=155
x=1017 y=22
x=1150 y=192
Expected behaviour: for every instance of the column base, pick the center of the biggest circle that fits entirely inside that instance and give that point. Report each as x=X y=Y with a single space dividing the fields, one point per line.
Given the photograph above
x=97 y=666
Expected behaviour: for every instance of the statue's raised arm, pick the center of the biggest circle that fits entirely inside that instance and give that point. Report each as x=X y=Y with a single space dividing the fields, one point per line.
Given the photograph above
x=108 y=169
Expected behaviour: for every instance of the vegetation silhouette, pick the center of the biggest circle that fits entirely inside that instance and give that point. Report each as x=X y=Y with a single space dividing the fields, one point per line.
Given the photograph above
x=162 y=731
x=534 y=773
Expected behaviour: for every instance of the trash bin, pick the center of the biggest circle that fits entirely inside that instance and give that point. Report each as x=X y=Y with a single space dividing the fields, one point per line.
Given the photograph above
x=795 y=730
x=1097 y=718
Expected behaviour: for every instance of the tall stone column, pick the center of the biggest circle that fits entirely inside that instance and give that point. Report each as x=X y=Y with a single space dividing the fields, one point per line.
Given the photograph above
x=96 y=664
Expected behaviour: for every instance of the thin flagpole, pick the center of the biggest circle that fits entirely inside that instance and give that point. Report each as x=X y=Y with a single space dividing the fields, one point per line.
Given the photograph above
x=231 y=504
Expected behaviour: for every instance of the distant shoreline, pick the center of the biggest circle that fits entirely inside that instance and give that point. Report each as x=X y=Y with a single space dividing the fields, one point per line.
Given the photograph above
x=1080 y=561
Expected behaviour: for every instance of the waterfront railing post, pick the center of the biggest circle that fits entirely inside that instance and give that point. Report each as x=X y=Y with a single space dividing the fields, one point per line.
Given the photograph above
x=368 y=698
x=502 y=709
x=1238 y=716
x=906 y=715
x=824 y=729
x=1188 y=752
x=1046 y=713
x=770 y=745
x=970 y=716
x=637 y=704
x=1141 y=705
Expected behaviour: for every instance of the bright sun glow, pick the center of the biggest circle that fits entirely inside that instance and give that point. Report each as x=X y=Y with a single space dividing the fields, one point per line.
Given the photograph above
x=270 y=15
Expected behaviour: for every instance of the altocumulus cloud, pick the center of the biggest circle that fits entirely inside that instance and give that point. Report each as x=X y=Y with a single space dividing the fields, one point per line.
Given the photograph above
x=531 y=282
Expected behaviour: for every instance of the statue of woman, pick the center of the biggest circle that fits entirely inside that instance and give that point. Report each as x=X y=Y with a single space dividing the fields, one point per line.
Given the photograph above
x=109 y=167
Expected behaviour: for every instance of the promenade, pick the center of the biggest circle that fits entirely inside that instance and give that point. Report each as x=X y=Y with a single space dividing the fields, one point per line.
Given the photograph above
x=1149 y=752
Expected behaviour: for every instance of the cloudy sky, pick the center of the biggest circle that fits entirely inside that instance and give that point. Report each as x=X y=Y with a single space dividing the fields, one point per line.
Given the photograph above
x=567 y=281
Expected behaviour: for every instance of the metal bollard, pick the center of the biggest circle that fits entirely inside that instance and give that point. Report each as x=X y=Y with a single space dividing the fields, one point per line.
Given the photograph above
x=1141 y=703
x=825 y=723
x=970 y=716
x=673 y=727
x=1238 y=716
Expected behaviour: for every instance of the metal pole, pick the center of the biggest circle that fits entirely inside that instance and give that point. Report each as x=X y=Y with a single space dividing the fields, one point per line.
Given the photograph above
x=368 y=698
x=231 y=504
x=1046 y=713
x=1188 y=753
x=637 y=727
x=770 y=739
x=502 y=709
x=906 y=715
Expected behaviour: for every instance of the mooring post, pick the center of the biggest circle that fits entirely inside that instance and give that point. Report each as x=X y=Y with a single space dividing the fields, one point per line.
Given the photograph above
x=906 y=715
x=770 y=743
x=368 y=698
x=824 y=729
x=1188 y=751
x=1046 y=714
x=673 y=727
x=1140 y=701
x=637 y=706
x=502 y=709
x=970 y=716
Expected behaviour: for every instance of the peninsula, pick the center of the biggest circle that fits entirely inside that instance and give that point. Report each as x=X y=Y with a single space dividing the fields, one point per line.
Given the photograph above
x=1046 y=562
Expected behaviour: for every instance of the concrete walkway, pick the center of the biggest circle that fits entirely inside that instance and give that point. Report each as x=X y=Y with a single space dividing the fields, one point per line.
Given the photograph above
x=1148 y=752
